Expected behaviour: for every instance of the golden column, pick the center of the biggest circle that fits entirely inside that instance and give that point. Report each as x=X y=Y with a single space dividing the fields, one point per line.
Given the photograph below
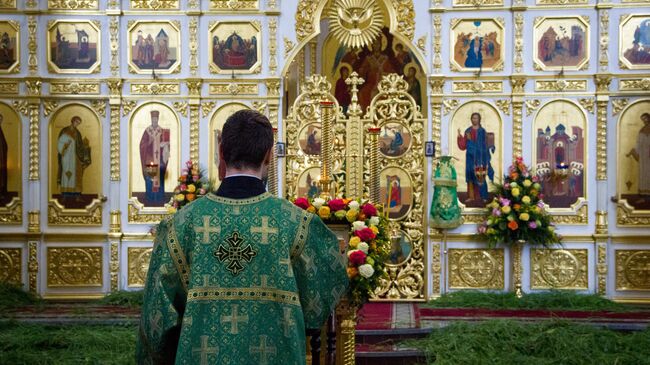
x=273 y=168
x=327 y=116
x=374 y=165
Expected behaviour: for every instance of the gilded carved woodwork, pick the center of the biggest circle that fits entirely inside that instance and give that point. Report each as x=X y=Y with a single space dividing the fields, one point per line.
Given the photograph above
x=634 y=84
x=89 y=216
x=559 y=269
x=519 y=42
x=127 y=107
x=34 y=221
x=34 y=142
x=603 y=54
x=32 y=265
x=49 y=106
x=115 y=142
x=577 y=214
x=155 y=4
x=8 y=87
x=288 y=45
x=476 y=3
x=138 y=262
x=532 y=105
x=601 y=267
x=73 y=4
x=618 y=105
x=99 y=106
x=477 y=86
x=156 y=88
x=114 y=265
x=194 y=132
x=587 y=104
x=138 y=214
x=181 y=107
x=355 y=23
x=233 y=88
x=74 y=88
x=12 y=213
x=601 y=222
x=449 y=105
x=601 y=140
x=234 y=5
x=32 y=58
x=626 y=216
x=436 y=268
x=194 y=45
x=503 y=105
x=632 y=270
x=437 y=44
x=8 y=4
x=560 y=85
x=11 y=266
x=207 y=107
x=476 y=268
x=114 y=32
x=74 y=266
x=405 y=17
x=517 y=127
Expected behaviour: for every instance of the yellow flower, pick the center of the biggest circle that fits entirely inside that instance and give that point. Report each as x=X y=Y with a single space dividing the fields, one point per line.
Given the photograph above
x=375 y=229
x=191 y=188
x=506 y=209
x=171 y=210
x=324 y=212
x=351 y=215
x=525 y=199
x=527 y=183
x=515 y=192
x=311 y=209
x=354 y=241
x=180 y=197
x=524 y=217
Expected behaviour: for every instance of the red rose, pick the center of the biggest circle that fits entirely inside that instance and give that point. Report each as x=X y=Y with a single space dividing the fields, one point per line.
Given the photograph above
x=357 y=258
x=369 y=210
x=365 y=235
x=336 y=204
x=302 y=203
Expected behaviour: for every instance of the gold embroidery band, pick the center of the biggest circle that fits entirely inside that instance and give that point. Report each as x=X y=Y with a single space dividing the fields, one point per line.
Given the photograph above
x=229 y=201
x=301 y=235
x=178 y=256
x=259 y=294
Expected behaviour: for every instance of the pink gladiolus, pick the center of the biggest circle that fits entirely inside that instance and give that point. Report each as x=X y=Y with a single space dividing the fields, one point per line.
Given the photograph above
x=506 y=186
x=188 y=164
x=496 y=212
x=532 y=225
x=540 y=204
x=195 y=177
x=482 y=229
x=504 y=202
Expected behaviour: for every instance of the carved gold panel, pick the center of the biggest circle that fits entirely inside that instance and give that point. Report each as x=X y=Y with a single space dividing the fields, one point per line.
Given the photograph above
x=234 y=88
x=73 y=4
x=477 y=86
x=11 y=265
x=58 y=215
x=634 y=84
x=476 y=3
x=156 y=88
x=561 y=2
x=155 y=4
x=74 y=266
x=7 y=4
x=74 y=88
x=476 y=268
x=138 y=258
x=559 y=269
x=560 y=85
x=8 y=87
x=12 y=213
x=234 y=5
x=632 y=269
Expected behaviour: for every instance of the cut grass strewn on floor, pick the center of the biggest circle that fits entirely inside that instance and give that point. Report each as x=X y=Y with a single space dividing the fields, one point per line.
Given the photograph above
x=12 y=296
x=555 y=300
x=133 y=299
x=511 y=342
x=74 y=345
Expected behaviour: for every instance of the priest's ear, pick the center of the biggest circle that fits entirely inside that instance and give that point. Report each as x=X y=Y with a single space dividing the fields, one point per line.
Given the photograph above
x=268 y=157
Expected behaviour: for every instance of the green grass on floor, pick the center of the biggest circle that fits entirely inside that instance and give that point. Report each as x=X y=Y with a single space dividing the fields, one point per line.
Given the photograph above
x=509 y=342
x=74 y=345
x=556 y=300
x=131 y=299
x=12 y=296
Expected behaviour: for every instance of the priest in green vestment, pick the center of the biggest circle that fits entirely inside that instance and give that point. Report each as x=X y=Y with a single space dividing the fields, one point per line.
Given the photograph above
x=235 y=277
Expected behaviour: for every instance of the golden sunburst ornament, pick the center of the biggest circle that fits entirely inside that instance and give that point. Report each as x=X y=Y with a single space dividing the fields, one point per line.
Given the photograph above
x=355 y=23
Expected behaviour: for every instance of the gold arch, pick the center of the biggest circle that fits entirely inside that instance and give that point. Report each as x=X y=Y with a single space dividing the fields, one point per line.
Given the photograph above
x=315 y=8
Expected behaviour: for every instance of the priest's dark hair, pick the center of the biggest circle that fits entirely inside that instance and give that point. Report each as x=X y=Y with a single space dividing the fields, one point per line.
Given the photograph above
x=246 y=138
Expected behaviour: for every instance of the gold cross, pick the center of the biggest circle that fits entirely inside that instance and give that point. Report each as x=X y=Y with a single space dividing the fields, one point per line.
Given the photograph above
x=289 y=267
x=265 y=230
x=264 y=282
x=288 y=322
x=234 y=319
x=264 y=350
x=205 y=350
x=206 y=229
x=154 y=322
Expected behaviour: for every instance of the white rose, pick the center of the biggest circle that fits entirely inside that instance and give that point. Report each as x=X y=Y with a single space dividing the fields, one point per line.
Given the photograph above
x=318 y=202
x=366 y=270
x=358 y=225
x=374 y=221
x=354 y=205
x=363 y=247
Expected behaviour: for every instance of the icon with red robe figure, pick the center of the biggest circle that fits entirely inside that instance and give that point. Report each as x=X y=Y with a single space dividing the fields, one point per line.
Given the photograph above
x=154 y=156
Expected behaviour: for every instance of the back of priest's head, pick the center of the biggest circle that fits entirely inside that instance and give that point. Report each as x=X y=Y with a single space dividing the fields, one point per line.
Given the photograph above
x=246 y=139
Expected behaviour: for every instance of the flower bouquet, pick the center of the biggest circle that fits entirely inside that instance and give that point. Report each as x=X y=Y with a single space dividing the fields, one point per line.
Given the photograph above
x=369 y=244
x=517 y=213
x=191 y=186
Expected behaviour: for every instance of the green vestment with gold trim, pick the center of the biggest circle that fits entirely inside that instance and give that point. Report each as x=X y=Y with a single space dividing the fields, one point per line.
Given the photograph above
x=445 y=212
x=237 y=281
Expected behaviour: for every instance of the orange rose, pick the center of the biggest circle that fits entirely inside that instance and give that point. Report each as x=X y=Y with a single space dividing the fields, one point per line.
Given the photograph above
x=362 y=217
x=533 y=192
x=190 y=197
x=352 y=272
x=517 y=207
x=347 y=201
x=514 y=176
x=311 y=209
x=513 y=225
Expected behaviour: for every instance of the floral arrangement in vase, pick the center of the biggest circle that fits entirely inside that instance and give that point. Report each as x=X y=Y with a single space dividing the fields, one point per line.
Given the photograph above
x=517 y=213
x=369 y=244
x=191 y=186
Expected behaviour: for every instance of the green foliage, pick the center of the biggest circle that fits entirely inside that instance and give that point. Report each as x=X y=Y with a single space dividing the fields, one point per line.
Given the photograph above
x=553 y=300
x=133 y=299
x=12 y=296
x=74 y=345
x=511 y=342
x=517 y=212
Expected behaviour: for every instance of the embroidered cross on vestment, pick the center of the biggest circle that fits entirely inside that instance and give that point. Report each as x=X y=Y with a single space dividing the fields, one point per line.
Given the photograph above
x=235 y=254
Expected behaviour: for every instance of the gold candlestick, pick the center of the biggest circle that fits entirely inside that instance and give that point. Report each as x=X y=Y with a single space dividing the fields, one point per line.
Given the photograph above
x=327 y=108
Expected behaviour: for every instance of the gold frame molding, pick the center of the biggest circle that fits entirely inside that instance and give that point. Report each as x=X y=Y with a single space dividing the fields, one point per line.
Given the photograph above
x=134 y=69
x=499 y=22
x=623 y=62
x=459 y=278
x=625 y=276
x=15 y=68
x=256 y=68
x=94 y=273
x=559 y=269
x=539 y=21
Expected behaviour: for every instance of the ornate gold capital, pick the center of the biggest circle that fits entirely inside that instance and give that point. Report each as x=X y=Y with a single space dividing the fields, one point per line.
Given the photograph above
x=34 y=221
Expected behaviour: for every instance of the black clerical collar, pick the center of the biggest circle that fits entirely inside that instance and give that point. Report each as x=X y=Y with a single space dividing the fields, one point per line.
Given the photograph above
x=241 y=187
